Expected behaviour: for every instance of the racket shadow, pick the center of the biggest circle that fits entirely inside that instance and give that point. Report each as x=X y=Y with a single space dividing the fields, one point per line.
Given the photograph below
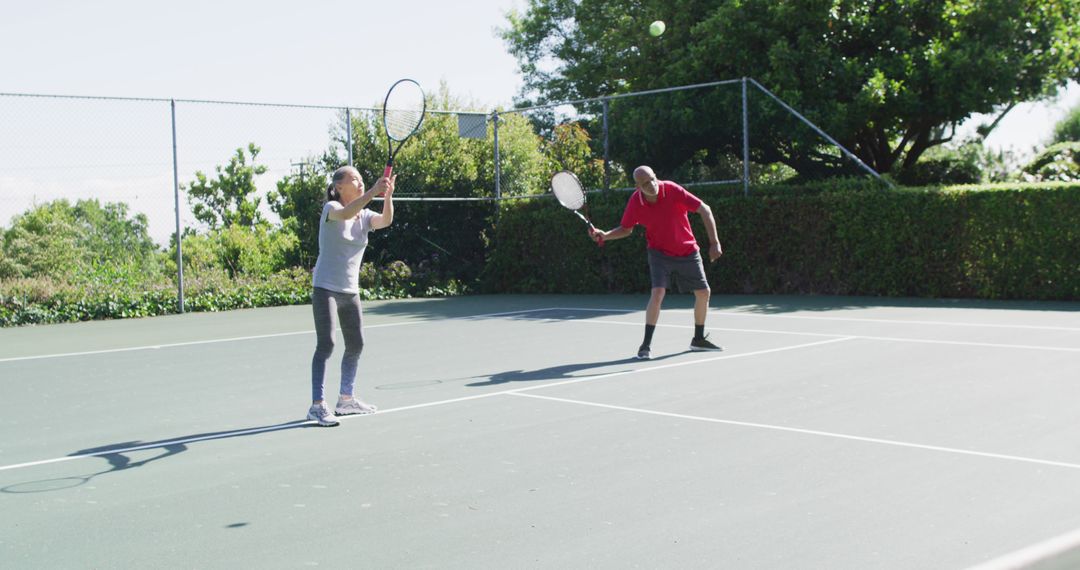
x=561 y=372
x=118 y=455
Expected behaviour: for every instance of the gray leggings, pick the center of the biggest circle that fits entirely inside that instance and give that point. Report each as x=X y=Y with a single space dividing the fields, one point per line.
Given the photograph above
x=324 y=304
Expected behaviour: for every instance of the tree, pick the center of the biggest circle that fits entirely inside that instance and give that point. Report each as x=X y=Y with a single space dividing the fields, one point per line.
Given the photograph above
x=569 y=150
x=230 y=198
x=440 y=236
x=298 y=201
x=889 y=80
x=61 y=240
x=1068 y=129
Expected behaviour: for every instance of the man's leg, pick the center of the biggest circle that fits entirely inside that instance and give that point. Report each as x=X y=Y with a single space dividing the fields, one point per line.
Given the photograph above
x=652 y=315
x=694 y=272
x=652 y=312
x=701 y=309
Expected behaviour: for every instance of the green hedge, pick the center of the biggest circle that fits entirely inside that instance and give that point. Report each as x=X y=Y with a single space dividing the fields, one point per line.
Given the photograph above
x=43 y=300
x=994 y=242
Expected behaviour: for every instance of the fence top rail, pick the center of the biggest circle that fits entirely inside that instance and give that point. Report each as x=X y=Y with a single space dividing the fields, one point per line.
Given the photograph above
x=339 y=107
x=623 y=95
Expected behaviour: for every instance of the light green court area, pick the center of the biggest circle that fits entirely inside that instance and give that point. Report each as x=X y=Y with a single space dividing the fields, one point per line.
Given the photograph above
x=518 y=432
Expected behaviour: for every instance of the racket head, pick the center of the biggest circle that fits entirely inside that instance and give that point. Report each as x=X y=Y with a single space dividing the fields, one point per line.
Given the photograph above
x=568 y=190
x=403 y=109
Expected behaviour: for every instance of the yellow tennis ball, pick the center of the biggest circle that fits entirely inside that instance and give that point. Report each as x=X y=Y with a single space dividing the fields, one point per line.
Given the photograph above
x=656 y=28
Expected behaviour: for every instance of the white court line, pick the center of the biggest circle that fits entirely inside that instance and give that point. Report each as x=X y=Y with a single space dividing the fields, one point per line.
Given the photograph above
x=585 y=309
x=253 y=337
x=834 y=335
x=806 y=431
x=1025 y=557
x=426 y=404
x=851 y=319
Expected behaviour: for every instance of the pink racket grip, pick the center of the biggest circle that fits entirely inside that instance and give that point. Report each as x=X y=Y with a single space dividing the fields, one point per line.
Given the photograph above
x=386 y=172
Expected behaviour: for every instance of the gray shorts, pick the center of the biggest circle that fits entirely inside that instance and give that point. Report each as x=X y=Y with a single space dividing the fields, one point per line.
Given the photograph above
x=689 y=272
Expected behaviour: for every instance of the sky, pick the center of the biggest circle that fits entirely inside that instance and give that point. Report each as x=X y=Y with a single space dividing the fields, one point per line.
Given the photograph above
x=320 y=52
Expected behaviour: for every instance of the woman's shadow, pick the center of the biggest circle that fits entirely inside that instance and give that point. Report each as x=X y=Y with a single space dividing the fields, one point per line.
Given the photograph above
x=561 y=372
x=117 y=455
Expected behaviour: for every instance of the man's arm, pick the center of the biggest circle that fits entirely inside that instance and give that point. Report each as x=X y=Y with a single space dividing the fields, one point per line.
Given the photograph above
x=617 y=233
x=715 y=251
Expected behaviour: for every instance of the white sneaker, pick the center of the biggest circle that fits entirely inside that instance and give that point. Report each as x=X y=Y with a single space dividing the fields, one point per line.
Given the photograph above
x=321 y=413
x=353 y=407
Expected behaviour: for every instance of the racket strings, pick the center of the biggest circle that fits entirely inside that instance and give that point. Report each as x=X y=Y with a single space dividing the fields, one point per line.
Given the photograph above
x=400 y=123
x=568 y=192
x=403 y=110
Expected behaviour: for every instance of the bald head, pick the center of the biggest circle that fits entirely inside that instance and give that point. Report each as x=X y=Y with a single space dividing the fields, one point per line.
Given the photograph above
x=643 y=173
x=645 y=180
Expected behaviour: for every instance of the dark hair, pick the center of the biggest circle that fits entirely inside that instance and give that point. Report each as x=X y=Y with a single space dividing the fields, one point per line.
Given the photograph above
x=331 y=190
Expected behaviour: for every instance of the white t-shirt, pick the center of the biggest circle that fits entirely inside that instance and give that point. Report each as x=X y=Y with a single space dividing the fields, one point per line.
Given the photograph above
x=341 y=249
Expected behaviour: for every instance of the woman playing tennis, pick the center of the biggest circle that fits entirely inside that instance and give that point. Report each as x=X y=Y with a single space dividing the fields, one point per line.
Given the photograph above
x=343 y=235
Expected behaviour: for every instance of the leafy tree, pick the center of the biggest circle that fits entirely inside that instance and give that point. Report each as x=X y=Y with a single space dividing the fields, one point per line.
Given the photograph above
x=229 y=199
x=62 y=240
x=258 y=251
x=569 y=150
x=298 y=201
x=889 y=80
x=1068 y=129
x=431 y=237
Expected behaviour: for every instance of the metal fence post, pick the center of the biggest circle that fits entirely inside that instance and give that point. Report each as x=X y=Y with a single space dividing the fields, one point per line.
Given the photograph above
x=348 y=132
x=176 y=201
x=607 y=170
x=745 y=143
x=498 y=170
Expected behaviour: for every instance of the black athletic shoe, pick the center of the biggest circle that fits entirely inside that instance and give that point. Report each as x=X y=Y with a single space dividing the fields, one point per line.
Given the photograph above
x=703 y=344
x=643 y=352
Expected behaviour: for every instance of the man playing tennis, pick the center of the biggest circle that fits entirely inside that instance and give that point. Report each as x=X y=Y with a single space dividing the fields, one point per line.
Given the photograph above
x=662 y=207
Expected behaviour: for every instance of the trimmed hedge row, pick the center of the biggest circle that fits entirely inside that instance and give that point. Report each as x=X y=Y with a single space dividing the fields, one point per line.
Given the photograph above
x=993 y=242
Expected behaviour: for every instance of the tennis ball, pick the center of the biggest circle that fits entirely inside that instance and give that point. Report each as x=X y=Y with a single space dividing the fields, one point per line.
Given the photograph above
x=656 y=28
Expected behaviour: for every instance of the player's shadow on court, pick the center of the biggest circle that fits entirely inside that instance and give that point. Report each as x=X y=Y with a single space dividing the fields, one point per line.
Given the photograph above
x=563 y=371
x=118 y=455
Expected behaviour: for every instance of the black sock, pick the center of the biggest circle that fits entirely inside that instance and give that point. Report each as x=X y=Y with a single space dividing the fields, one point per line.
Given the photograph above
x=699 y=331
x=649 y=329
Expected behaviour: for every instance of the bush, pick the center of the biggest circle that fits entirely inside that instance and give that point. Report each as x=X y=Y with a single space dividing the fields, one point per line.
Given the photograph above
x=943 y=165
x=105 y=295
x=1068 y=129
x=996 y=242
x=1057 y=163
x=251 y=251
x=62 y=241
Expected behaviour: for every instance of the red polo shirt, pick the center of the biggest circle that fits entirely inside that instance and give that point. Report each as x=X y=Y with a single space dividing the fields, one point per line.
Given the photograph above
x=667 y=227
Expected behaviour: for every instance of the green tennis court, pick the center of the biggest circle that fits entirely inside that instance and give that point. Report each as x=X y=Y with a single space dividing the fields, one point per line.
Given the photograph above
x=517 y=432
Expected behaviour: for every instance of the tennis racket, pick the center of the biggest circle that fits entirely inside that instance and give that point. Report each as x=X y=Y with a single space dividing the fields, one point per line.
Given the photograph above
x=403 y=113
x=571 y=194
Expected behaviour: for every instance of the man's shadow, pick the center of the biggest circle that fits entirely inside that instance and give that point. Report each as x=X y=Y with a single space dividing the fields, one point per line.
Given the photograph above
x=562 y=372
x=116 y=454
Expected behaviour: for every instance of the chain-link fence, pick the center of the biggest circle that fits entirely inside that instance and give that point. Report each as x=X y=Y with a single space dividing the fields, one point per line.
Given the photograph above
x=164 y=164
x=718 y=133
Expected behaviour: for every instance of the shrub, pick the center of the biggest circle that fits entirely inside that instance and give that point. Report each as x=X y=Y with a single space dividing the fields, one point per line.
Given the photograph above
x=992 y=241
x=1057 y=163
